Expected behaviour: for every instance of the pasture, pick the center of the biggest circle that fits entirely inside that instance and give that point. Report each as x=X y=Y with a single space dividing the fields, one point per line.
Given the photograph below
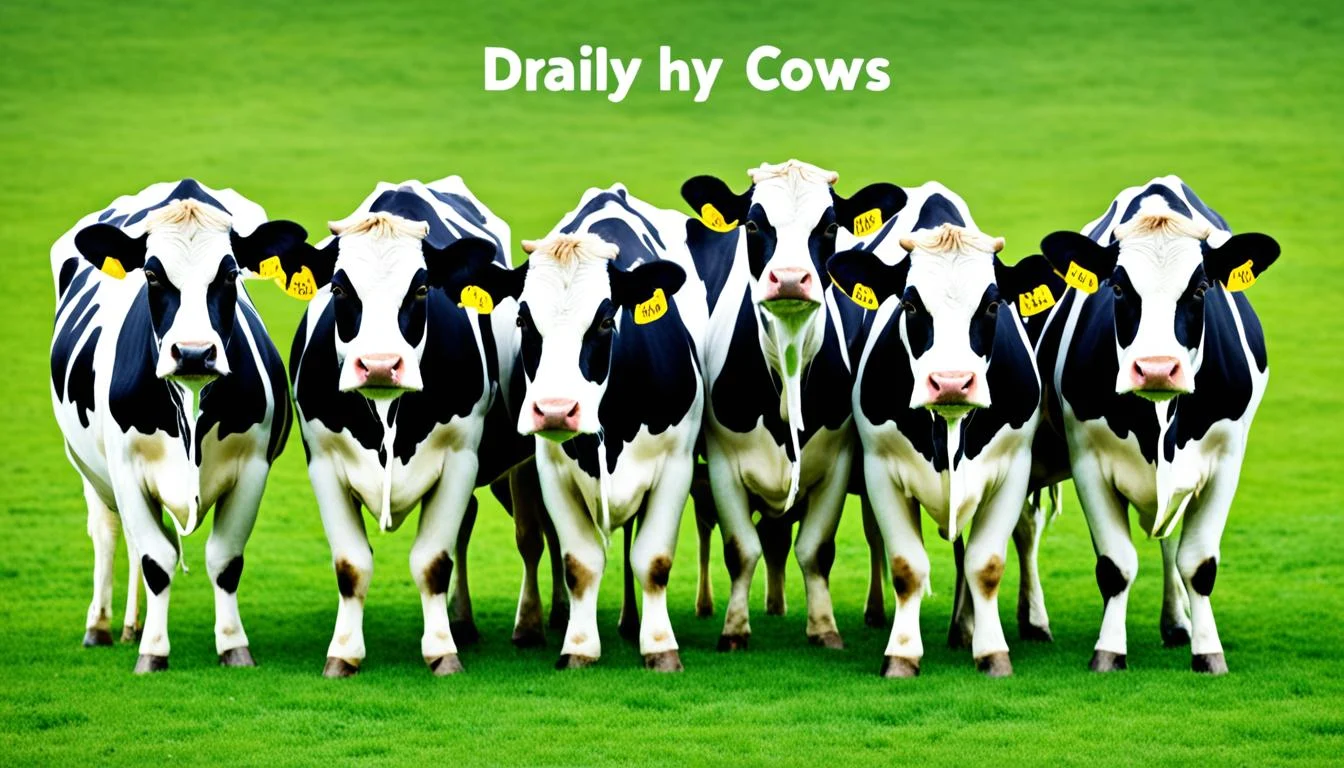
x=1036 y=113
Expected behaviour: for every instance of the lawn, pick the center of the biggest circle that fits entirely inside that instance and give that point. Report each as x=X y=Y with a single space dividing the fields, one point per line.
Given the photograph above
x=1037 y=112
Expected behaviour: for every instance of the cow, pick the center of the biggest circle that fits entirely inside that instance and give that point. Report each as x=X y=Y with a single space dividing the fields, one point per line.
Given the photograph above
x=1155 y=365
x=611 y=312
x=396 y=369
x=945 y=398
x=169 y=394
x=778 y=434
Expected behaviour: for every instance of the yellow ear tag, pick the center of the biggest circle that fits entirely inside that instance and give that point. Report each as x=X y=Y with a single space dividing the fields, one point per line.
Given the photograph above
x=864 y=296
x=1036 y=301
x=714 y=220
x=867 y=222
x=652 y=309
x=1082 y=279
x=1241 y=278
x=270 y=269
x=475 y=297
x=113 y=268
x=302 y=285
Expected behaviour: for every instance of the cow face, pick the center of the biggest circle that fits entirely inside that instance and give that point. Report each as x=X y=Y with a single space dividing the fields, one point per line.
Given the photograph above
x=790 y=218
x=570 y=299
x=1155 y=280
x=382 y=272
x=189 y=259
x=951 y=289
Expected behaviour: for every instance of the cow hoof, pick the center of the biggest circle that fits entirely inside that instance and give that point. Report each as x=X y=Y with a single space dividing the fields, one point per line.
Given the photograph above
x=995 y=664
x=1209 y=663
x=131 y=633
x=830 y=640
x=148 y=663
x=666 y=661
x=338 y=667
x=237 y=657
x=875 y=619
x=1035 y=634
x=447 y=664
x=574 y=661
x=559 y=617
x=733 y=642
x=1175 y=636
x=628 y=629
x=464 y=632
x=1105 y=661
x=898 y=667
x=97 y=636
x=528 y=638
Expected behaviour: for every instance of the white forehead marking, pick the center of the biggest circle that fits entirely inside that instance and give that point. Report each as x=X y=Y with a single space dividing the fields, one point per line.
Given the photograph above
x=189 y=238
x=379 y=249
x=951 y=266
x=792 y=192
x=567 y=278
x=1160 y=248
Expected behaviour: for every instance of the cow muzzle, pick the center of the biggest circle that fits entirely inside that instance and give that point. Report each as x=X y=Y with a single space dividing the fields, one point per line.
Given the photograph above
x=380 y=371
x=789 y=290
x=555 y=418
x=952 y=393
x=1159 y=377
x=194 y=360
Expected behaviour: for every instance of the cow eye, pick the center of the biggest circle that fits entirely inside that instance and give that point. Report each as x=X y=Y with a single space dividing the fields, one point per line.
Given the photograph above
x=608 y=323
x=519 y=321
x=152 y=277
x=1200 y=290
x=337 y=291
x=752 y=227
x=422 y=292
x=1119 y=292
x=993 y=309
x=831 y=230
x=908 y=307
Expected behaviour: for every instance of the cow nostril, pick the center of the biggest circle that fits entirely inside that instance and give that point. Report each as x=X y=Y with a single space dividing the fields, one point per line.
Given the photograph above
x=211 y=354
x=774 y=278
x=806 y=280
x=359 y=363
x=573 y=412
x=175 y=352
x=966 y=384
x=536 y=410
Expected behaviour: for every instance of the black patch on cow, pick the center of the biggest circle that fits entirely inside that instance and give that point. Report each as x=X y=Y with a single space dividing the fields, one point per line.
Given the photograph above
x=1204 y=210
x=601 y=200
x=1205 y=575
x=347 y=578
x=595 y=349
x=632 y=249
x=68 y=268
x=937 y=210
x=1189 y=314
x=438 y=574
x=346 y=306
x=156 y=578
x=761 y=239
x=67 y=337
x=1255 y=335
x=465 y=208
x=187 y=189
x=228 y=578
x=984 y=321
x=1174 y=202
x=316 y=373
x=713 y=254
x=411 y=313
x=1014 y=389
x=821 y=240
x=76 y=285
x=237 y=402
x=825 y=558
x=1110 y=580
x=137 y=398
x=407 y=204
x=885 y=384
x=1047 y=353
x=918 y=322
x=1223 y=385
x=1128 y=307
x=530 y=347
x=81 y=378
x=1096 y=232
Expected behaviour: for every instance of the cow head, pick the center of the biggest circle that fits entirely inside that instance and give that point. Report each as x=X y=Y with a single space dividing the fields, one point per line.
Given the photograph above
x=1156 y=277
x=189 y=258
x=570 y=296
x=951 y=289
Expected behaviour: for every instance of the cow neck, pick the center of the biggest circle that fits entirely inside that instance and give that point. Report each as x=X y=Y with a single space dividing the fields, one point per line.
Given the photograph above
x=1170 y=505
x=385 y=417
x=790 y=343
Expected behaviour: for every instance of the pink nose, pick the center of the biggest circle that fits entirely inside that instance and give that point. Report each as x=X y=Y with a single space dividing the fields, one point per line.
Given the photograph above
x=379 y=370
x=1159 y=374
x=788 y=283
x=554 y=414
x=952 y=387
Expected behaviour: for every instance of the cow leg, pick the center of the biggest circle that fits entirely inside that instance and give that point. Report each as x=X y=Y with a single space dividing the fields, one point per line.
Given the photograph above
x=143 y=520
x=103 y=527
x=1117 y=562
x=875 y=607
x=131 y=627
x=235 y=515
x=628 y=625
x=459 y=610
x=353 y=561
x=1175 y=623
x=651 y=558
x=898 y=519
x=961 y=631
x=528 y=524
x=585 y=559
x=983 y=564
x=1197 y=559
x=559 y=617
x=775 y=535
x=705 y=517
x=1032 y=621
x=741 y=549
x=815 y=550
x=440 y=532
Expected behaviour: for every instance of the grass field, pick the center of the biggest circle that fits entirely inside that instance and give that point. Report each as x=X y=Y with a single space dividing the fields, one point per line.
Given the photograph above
x=1037 y=112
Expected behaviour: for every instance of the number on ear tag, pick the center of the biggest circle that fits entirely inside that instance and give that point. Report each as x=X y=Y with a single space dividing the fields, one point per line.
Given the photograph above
x=302 y=285
x=1082 y=279
x=270 y=268
x=867 y=222
x=475 y=297
x=714 y=220
x=652 y=309
x=864 y=296
x=1240 y=279
x=112 y=267
x=1035 y=301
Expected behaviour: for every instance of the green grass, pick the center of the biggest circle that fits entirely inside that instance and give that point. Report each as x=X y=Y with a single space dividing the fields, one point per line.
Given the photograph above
x=1037 y=112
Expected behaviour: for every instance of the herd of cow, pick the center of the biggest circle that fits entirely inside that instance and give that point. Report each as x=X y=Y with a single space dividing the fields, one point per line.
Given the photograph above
x=784 y=347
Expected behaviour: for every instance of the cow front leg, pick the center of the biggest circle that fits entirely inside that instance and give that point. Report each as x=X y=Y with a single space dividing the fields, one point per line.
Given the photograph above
x=898 y=518
x=983 y=565
x=235 y=515
x=1197 y=560
x=1032 y=621
x=103 y=527
x=584 y=560
x=437 y=538
x=962 y=629
x=874 y=607
x=815 y=550
x=1117 y=562
x=1175 y=622
x=559 y=615
x=352 y=560
x=776 y=535
x=651 y=557
x=143 y=520
x=460 y=615
x=741 y=550
x=706 y=516
x=131 y=628
x=528 y=531
x=628 y=625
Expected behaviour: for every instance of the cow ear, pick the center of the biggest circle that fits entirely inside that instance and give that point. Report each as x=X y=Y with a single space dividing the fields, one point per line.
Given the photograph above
x=1082 y=262
x=274 y=238
x=490 y=284
x=110 y=249
x=869 y=208
x=865 y=278
x=1238 y=262
x=715 y=203
x=279 y=251
x=709 y=245
x=646 y=288
x=1031 y=284
x=457 y=264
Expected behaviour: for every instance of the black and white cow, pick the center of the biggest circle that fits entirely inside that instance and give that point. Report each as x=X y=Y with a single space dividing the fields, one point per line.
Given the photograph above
x=395 y=369
x=614 y=395
x=946 y=399
x=169 y=393
x=1155 y=366
x=778 y=434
